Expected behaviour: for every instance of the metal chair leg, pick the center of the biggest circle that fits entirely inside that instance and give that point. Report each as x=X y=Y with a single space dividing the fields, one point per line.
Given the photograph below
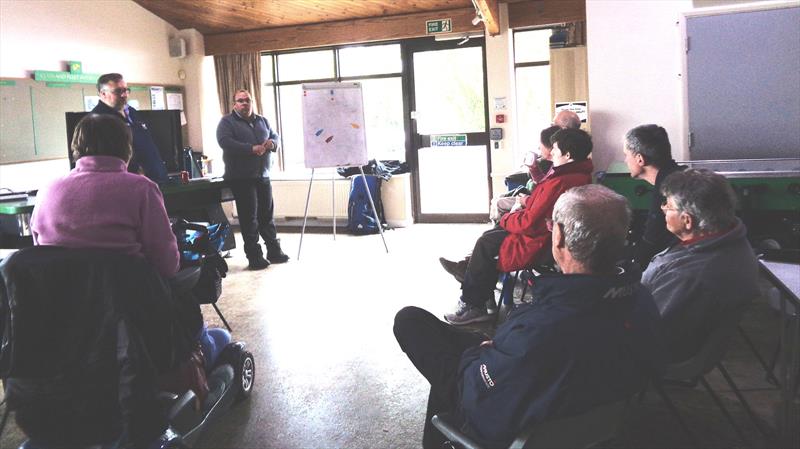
x=222 y=317
x=767 y=368
x=739 y=395
x=657 y=386
x=724 y=410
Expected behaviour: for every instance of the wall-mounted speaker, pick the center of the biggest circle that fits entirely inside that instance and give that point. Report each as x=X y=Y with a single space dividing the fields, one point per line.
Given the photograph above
x=177 y=47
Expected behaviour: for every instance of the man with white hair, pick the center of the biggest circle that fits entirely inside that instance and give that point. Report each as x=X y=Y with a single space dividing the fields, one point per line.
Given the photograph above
x=581 y=343
x=711 y=271
x=567 y=119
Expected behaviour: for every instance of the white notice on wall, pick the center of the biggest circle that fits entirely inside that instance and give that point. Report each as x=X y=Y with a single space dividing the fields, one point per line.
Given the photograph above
x=157 y=98
x=175 y=101
x=578 y=107
x=89 y=102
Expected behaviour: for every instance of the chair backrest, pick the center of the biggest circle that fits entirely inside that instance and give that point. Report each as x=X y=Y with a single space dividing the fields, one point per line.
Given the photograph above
x=714 y=347
x=586 y=430
x=82 y=334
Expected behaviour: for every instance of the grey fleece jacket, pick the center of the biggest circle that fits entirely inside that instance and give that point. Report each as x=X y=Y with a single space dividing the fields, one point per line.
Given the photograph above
x=695 y=284
x=236 y=136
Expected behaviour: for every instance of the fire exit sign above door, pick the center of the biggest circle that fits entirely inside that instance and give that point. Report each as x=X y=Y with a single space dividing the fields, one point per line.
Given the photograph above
x=439 y=26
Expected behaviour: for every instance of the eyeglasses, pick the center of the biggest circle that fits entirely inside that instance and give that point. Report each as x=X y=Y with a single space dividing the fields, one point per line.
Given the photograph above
x=243 y=100
x=665 y=208
x=119 y=90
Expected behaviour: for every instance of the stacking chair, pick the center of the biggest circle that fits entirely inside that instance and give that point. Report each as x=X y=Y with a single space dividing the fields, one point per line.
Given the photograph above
x=593 y=428
x=690 y=372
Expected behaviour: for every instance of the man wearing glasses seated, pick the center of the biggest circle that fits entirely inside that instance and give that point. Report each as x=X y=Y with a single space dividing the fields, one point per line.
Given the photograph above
x=711 y=271
x=146 y=159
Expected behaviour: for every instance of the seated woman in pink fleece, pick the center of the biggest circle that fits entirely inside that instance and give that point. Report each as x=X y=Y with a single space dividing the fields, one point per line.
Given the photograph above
x=99 y=204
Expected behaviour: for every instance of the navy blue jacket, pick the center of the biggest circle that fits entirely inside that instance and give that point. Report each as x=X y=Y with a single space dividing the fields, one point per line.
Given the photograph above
x=236 y=136
x=584 y=342
x=145 y=152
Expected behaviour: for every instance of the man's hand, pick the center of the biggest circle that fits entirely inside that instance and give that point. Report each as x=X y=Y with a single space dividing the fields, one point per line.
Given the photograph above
x=270 y=145
x=259 y=150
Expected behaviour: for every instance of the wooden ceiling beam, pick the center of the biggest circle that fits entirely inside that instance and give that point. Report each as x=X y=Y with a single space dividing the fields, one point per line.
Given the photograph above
x=491 y=15
x=545 y=12
x=337 y=33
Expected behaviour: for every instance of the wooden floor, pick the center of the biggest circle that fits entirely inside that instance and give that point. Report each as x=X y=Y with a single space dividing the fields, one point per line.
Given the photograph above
x=331 y=375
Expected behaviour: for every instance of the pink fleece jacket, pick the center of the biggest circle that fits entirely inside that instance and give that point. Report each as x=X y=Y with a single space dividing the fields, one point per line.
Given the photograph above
x=100 y=205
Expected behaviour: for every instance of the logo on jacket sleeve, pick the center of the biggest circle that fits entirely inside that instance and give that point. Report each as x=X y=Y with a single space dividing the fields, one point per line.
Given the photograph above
x=487 y=379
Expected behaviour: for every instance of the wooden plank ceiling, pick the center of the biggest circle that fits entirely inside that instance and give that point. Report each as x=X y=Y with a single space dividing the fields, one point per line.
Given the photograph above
x=234 y=26
x=226 y=16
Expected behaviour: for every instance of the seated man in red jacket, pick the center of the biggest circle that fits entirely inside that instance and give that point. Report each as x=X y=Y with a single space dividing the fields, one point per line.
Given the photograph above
x=522 y=238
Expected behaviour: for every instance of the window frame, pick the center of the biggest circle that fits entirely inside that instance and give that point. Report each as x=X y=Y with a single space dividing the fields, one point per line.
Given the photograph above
x=276 y=83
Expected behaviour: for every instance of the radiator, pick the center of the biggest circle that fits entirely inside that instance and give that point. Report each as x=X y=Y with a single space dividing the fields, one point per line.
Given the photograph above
x=290 y=198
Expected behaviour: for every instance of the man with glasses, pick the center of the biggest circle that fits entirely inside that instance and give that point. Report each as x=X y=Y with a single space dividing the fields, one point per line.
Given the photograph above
x=648 y=155
x=710 y=271
x=247 y=143
x=146 y=158
x=583 y=342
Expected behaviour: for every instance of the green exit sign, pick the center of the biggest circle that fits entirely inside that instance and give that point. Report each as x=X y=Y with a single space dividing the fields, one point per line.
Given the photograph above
x=439 y=26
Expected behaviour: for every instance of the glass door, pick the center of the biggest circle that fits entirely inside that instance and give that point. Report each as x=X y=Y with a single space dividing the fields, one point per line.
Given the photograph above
x=449 y=154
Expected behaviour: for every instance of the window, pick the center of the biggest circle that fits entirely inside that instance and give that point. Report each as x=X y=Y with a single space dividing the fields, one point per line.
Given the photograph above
x=532 y=72
x=377 y=67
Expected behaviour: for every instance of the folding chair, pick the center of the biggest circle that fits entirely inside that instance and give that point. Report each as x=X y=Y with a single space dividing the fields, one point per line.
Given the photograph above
x=593 y=428
x=690 y=372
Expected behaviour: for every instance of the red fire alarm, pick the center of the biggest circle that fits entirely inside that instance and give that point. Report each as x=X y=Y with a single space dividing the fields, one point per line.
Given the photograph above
x=500 y=118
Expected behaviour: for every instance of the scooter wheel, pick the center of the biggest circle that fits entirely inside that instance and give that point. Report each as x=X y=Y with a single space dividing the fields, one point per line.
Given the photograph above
x=245 y=374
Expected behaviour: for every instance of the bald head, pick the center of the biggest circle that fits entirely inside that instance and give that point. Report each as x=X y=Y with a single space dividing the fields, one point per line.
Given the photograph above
x=567 y=119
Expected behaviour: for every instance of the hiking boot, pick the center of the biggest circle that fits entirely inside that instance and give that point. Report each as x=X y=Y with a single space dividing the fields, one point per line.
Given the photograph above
x=466 y=313
x=257 y=263
x=275 y=254
x=457 y=269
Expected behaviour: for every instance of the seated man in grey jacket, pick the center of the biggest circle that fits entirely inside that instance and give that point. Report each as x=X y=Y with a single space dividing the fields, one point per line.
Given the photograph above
x=711 y=271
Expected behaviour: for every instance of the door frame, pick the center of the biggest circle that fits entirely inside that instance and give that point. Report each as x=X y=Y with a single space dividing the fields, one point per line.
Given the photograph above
x=414 y=141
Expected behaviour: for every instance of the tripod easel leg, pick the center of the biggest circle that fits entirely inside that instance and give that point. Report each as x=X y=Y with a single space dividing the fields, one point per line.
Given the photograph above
x=305 y=214
x=374 y=210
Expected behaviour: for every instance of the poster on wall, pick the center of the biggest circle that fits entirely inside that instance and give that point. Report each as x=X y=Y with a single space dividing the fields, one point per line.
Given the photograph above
x=89 y=102
x=157 y=98
x=175 y=101
x=578 y=107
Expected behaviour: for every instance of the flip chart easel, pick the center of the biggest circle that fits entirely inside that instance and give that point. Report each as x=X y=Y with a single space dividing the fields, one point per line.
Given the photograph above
x=333 y=136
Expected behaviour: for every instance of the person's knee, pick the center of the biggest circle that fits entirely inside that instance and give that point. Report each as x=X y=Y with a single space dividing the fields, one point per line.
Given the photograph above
x=405 y=319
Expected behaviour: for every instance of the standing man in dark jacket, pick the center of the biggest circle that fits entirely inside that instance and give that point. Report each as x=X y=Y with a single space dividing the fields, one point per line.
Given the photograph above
x=146 y=158
x=247 y=143
x=648 y=156
x=587 y=340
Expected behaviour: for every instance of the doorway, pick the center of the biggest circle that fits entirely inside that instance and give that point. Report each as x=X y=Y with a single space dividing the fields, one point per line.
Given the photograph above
x=447 y=132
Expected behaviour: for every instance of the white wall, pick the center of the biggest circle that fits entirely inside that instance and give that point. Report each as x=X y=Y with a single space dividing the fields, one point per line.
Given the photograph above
x=106 y=36
x=500 y=83
x=634 y=56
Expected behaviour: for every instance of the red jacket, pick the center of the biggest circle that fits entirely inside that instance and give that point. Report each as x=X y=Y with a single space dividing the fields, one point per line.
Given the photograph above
x=527 y=227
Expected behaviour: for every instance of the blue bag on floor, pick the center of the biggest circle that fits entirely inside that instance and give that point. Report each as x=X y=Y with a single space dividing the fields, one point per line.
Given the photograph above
x=360 y=218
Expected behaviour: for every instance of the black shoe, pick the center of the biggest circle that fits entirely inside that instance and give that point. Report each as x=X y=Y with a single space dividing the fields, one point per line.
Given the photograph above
x=275 y=254
x=457 y=269
x=258 y=263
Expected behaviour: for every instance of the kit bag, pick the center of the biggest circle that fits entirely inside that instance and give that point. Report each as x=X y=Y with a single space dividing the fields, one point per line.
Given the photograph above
x=360 y=218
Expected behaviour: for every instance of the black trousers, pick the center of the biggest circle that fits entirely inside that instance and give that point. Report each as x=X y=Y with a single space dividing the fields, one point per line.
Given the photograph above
x=435 y=348
x=255 y=207
x=481 y=276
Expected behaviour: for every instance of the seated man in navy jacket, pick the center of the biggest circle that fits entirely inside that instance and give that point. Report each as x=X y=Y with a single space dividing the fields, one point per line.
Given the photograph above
x=587 y=339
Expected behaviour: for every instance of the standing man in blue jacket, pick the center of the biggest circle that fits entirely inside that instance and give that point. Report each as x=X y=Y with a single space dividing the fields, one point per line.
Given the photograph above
x=247 y=143
x=146 y=158
x=587 y=339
